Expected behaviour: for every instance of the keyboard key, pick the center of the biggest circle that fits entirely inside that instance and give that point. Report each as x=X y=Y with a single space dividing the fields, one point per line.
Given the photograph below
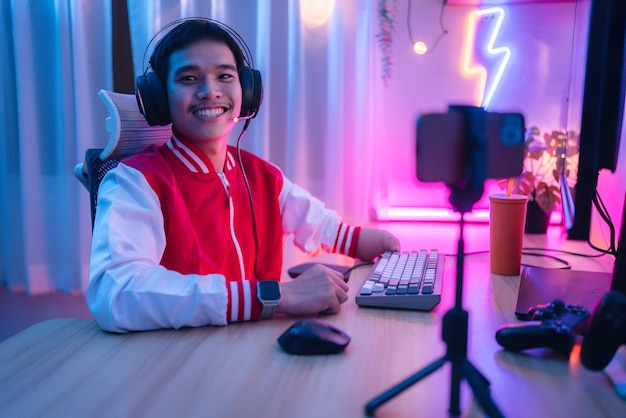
x=367 y=288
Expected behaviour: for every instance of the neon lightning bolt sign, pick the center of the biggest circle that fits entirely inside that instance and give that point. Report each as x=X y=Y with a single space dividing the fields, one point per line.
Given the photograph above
x=485 y=25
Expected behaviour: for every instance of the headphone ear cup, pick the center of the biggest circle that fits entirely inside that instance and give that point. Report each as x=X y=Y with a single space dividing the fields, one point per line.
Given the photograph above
x=251 y=92
x=152 y=99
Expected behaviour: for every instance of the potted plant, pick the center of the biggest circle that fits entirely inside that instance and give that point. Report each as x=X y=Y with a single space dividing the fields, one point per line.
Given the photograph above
x=549 y=159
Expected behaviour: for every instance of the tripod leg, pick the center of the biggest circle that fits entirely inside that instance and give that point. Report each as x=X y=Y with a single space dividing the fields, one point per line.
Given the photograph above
x=482 y=377
x=400 y=387
x=455 y=390
x=480 y=387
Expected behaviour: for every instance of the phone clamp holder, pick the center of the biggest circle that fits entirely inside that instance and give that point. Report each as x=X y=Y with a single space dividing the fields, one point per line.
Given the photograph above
x=463 y=195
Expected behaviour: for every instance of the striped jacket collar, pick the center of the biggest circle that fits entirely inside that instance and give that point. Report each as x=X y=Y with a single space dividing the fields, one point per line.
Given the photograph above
x=194 y=159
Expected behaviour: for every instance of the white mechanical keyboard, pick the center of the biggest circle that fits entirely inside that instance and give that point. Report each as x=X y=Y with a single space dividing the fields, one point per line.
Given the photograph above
x=404 y=280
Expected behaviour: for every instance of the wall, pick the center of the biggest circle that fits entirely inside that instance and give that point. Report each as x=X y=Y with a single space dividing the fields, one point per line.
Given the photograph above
x=543 y=80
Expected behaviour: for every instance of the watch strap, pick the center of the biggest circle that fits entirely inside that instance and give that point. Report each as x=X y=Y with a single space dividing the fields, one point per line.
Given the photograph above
x=268 y=311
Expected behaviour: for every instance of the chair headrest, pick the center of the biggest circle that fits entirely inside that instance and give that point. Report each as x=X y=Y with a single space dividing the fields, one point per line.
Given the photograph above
x=130 y=133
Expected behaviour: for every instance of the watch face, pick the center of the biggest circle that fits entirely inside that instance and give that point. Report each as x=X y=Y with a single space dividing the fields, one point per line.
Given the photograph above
x=269 y=290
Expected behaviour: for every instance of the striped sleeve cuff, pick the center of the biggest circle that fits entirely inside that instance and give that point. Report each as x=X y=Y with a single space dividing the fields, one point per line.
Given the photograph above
x=346 y=240
x=243 y=304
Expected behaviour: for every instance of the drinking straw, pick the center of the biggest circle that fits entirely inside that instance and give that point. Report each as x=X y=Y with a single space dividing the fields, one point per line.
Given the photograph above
x=510 y=188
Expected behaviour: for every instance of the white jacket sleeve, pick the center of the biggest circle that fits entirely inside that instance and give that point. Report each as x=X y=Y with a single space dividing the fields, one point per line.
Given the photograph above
x=128 y=289
x=314 y=226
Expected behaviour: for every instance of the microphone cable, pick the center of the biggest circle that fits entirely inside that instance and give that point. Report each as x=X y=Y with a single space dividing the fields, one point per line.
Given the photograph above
x=245 y=179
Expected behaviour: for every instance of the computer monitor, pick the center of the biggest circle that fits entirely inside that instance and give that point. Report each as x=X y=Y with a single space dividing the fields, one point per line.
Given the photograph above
x=602 y=112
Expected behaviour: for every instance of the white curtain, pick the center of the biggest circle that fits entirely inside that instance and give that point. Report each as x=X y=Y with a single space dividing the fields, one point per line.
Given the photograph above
x=55 y=56
x=315 y=122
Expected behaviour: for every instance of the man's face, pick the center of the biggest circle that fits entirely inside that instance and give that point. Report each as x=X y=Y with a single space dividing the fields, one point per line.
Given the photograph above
x=204 y=91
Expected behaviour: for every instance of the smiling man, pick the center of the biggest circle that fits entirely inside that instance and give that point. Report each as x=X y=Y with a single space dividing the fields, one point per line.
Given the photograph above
x=190 y=233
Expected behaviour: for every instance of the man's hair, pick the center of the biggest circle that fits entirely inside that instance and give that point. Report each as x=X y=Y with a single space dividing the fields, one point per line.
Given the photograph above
x=186 y=33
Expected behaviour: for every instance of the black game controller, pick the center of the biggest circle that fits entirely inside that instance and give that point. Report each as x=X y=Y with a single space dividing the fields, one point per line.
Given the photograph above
x=606 y=332
x=552 y=326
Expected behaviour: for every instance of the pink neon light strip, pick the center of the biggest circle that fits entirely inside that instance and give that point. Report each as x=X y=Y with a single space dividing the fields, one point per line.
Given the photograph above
x=441 y=215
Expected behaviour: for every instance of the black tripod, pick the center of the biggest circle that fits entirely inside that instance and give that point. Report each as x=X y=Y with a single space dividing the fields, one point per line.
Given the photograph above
x=455 y=321
x=454 y=334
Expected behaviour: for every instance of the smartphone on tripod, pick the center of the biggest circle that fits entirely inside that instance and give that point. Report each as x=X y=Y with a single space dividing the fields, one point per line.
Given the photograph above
x=441 y=150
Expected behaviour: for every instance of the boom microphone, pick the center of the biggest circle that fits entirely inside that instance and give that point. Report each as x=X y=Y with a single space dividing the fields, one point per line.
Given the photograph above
x=244 y=117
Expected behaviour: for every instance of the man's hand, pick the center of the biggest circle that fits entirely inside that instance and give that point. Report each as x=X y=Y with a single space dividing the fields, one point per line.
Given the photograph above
x=317 y=290
x=374 y=242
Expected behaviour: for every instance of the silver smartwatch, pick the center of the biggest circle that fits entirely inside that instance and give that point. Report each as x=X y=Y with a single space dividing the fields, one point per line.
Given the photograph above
x=268 y=292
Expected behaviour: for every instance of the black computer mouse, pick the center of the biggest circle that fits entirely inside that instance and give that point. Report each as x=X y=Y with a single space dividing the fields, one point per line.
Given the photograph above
x=295 y=271
x=312 y=336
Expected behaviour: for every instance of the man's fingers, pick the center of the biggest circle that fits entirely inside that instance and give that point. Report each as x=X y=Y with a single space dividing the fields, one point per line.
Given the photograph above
x=333 y=309
x=339 y=279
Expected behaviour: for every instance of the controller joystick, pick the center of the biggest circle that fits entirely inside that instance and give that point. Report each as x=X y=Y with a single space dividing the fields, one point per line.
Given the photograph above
x=607 y=332
x=552 y=326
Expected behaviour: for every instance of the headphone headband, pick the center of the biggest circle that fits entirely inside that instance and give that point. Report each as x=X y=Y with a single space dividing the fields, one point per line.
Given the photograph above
x=247 y=55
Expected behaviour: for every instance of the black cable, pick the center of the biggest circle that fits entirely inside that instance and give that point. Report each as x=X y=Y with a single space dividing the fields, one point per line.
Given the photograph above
x=604 y=214
x=567 y=265
x=525 y=251
x=361 y=264
x=346 y=274
x=564 y=252
x=443 y=32
x=245 y=179
x=408 y=23
x=528 y=251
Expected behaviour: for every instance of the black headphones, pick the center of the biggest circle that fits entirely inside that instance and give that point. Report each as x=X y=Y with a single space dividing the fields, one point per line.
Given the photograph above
x=151 y=94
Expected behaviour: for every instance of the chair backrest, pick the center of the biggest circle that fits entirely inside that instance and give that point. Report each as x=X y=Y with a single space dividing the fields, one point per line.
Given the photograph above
x=96 y=169
x=129 y=134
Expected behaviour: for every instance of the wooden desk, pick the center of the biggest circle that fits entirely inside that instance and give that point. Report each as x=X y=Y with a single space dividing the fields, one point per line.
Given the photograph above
x=69 y=367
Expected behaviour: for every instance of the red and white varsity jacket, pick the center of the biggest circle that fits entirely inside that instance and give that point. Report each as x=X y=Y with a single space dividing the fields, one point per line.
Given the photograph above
x=173 y=240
